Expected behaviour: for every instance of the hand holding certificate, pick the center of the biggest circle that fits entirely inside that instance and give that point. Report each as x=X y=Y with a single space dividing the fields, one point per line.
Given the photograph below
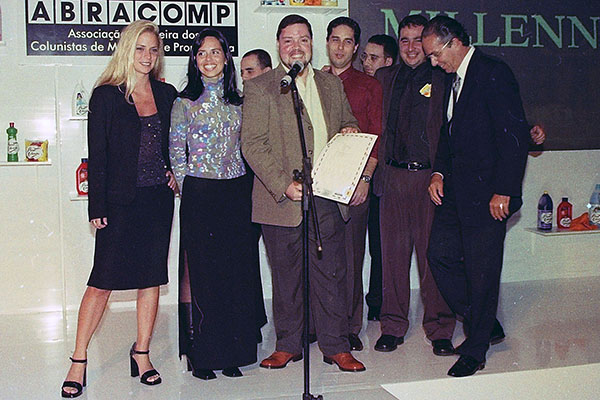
x=339 y=167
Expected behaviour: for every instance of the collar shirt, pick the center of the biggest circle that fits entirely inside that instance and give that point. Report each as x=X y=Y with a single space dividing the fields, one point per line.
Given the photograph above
x=461 y=73
x=408 y=115
x=312 y=103
x=365 y=97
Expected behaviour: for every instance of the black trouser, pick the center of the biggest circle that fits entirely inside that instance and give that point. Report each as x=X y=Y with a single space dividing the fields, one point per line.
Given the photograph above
x=466 y=262
x=374 y=297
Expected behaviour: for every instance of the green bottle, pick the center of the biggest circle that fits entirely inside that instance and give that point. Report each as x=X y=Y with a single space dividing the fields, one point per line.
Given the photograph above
x=13 y=145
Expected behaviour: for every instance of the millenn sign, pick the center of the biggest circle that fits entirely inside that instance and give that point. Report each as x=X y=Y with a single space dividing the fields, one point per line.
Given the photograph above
x=551 y=46
x=519 y=30
x=92 y=27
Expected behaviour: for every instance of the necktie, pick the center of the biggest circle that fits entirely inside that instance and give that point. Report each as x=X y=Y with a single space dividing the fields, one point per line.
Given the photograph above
x=455 y=90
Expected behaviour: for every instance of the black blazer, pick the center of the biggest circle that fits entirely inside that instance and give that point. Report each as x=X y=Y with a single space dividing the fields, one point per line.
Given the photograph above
x=486 y=152
x=114 y=143
x=387 y=76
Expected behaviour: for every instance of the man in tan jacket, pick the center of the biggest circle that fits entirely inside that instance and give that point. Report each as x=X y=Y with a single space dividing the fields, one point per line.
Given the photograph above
x=271 y=145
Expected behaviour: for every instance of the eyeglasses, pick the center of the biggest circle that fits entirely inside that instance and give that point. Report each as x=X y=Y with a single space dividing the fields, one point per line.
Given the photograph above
x=372 y=57
x=436 y=54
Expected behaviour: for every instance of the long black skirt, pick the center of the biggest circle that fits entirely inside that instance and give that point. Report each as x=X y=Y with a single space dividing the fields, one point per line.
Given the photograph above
x=219 y=242
x=132 y=250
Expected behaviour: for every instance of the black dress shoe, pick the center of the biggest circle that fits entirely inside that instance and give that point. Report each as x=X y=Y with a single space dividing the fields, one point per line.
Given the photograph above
x=205 y=374
x=373 y=313
x=388 y=342
x=465 y=366
x=232 y=372
x=442 y=347
x=355 y=343
x=497 y=335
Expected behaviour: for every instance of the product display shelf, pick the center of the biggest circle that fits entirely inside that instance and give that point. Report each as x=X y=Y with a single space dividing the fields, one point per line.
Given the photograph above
x=74 y=196
x=287 y=9
x=25 y=163
x=556 y=232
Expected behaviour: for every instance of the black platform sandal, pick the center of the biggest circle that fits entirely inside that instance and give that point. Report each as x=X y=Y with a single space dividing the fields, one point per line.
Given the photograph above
x=135 y=370
x=72 y=384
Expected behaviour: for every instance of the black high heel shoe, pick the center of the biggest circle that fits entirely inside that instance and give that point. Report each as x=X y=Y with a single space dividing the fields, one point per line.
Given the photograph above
x=135 y=370
x=76 y=385
x=205 y=374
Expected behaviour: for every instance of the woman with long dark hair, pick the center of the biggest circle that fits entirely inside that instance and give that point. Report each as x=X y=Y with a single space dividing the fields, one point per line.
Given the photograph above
x=216 y=230
x=130 y=194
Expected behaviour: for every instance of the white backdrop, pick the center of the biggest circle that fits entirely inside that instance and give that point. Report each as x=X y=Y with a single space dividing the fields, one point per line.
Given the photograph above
x=46 y=244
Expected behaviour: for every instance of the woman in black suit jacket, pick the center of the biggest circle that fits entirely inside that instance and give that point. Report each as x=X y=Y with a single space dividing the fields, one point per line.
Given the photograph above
x=131 y=190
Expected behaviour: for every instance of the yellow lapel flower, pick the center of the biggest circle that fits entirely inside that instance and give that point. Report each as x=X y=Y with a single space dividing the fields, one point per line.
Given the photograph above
x=426 y=90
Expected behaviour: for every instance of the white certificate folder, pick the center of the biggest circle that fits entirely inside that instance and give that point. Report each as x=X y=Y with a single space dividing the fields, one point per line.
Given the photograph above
x=340 y=165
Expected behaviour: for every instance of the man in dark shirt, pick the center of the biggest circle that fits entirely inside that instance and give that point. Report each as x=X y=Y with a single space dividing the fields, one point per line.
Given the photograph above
x=365 y=96
x=413 y=94
x=413 y=101
x=255 y=63
x=380 y=51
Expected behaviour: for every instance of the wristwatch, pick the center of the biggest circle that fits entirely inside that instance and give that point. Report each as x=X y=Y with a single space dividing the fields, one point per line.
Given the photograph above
x=366 y=178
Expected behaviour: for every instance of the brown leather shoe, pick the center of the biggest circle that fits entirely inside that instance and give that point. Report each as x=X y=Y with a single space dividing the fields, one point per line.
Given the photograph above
x=345 y=361
x=279 y=359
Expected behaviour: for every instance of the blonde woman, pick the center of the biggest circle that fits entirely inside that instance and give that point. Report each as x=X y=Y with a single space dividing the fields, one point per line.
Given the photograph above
x=131 y=190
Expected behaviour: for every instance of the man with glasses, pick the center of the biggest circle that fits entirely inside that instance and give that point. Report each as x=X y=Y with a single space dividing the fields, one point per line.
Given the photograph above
x=380 y=51
x=412 y=103
x=476 y=183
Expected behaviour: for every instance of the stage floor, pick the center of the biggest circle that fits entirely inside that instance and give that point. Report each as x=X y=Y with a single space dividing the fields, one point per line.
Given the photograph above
x=549 y=325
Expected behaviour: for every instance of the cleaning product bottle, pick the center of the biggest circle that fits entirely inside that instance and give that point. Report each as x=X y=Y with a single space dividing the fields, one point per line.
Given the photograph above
x=545 y=212
x=594 y=206
x=12 y=148
x=564 y=214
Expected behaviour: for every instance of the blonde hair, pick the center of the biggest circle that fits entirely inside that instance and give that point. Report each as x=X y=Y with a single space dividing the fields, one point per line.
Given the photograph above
x=120 y=69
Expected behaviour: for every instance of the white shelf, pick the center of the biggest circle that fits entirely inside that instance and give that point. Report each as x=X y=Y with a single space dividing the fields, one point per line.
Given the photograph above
x=25 y=163
x=556 y=232
x=341 y=8
x=73 y=196
x=79 y=118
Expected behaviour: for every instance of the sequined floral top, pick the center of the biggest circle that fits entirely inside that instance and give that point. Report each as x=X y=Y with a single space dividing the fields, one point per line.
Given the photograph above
x=211 y=130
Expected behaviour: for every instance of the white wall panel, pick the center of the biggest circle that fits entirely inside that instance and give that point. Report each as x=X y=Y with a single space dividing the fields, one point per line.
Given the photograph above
x=46 y=243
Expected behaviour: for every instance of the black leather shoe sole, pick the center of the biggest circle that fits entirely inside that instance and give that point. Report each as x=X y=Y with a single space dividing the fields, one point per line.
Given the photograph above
x=442 y=347
x=355 y=342
x=496 y=339
x=387 y=343
x=465 y=366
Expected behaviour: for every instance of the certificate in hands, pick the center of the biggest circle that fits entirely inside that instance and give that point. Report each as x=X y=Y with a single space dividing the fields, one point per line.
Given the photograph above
x=340 y=165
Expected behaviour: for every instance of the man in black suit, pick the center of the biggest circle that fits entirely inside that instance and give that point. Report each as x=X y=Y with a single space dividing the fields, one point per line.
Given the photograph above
x=476 y=183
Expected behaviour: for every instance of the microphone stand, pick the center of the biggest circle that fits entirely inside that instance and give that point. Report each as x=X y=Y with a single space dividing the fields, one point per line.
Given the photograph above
x=308 y=203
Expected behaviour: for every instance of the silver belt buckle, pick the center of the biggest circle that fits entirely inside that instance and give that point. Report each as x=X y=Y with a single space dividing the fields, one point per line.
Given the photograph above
x=413 y=166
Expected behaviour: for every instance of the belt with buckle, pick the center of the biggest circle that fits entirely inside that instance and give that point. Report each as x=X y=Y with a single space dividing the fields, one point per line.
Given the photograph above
x=411 y=166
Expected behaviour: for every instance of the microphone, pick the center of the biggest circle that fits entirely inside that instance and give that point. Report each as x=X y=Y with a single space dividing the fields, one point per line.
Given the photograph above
x=297 y=67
